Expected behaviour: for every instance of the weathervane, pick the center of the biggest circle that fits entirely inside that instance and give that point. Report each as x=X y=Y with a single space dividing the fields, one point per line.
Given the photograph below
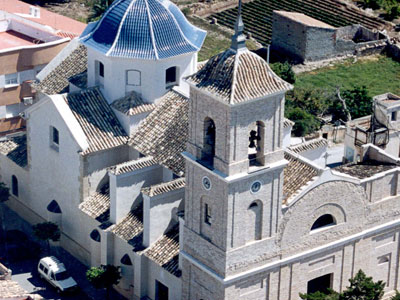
x=239 y=39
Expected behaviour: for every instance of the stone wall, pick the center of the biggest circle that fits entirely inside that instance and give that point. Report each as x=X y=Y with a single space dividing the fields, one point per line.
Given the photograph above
x=302 y=42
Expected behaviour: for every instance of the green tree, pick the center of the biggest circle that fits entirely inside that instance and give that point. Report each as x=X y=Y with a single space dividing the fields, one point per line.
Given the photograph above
x=396 y=296
x=305 y=123
x=98 y=9
x=284 y=71
x=358 y=101
x=363 y=288
x=47 y=231
x=104 y=276
x=330 y=295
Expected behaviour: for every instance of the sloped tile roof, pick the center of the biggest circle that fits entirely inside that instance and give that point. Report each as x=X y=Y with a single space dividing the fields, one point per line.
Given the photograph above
x=130 y=228
x=164 y=187
x=98 y=121
x=10 y=289
x=165 y=252
x=132 y=104
x=97 y=206
x=15 y=149
x=160 y=31
x=133 y=165
x=287 y=123
x=57 y=80
x=164 y=132
x=236 y=77
x=309 y=145
x=79 y=80
x=297 y=174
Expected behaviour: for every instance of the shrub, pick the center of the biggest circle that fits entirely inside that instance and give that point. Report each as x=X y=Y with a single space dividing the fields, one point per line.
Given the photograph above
x=284 y=71
x=305 y=123
x=363 y=288
x=396 y=296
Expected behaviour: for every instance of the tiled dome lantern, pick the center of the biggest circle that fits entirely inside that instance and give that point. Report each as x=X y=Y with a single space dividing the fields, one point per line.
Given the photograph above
x=145 y=46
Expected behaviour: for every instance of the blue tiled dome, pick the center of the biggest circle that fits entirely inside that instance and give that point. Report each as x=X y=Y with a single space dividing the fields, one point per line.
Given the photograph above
x=143 y=29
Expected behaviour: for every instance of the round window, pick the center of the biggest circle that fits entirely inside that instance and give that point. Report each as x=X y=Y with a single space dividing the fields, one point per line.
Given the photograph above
x=255 y=187
x=206 y=183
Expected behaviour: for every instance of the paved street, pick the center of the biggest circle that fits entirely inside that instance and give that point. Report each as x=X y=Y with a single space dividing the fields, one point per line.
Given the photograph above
x=25 y=271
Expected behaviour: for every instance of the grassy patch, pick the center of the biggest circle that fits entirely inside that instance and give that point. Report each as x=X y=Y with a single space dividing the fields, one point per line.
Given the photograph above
x=379 y=74
x=217 y=40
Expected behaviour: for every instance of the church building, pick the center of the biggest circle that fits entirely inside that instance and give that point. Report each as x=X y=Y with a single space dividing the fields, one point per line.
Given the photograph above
x=179 y=171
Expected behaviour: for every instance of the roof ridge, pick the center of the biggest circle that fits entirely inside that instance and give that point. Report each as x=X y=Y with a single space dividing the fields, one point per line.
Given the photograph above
x=164 y=187
x=153 y=39
x=234 y=80
x=132 y=165
x=119 y=28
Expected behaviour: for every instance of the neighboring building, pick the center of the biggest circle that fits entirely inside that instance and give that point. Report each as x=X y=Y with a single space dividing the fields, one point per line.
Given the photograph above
x=184 y=182
x=11 y=290
x=306 y=39
x=30 y=37
x=382 y=128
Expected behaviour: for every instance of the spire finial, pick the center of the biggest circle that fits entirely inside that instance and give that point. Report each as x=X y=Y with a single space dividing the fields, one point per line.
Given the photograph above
x=239 y=39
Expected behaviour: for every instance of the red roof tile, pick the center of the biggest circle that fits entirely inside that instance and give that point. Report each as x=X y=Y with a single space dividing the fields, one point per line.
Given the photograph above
x=67 y=26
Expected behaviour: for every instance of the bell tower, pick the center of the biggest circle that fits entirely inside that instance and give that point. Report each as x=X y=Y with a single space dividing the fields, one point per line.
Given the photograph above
x=234 y=169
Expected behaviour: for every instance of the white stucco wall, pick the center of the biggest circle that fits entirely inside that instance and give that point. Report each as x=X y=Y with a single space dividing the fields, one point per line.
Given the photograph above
x=287 y=131
x=158 y=214
x=125 y=189
x=56 y=174
x=152 y=83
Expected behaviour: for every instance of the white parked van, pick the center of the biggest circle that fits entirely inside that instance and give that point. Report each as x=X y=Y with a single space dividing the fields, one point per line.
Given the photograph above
x=54 y=271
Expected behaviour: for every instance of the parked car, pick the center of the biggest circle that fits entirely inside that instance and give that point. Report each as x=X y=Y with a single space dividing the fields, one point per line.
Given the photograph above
x=53 y=270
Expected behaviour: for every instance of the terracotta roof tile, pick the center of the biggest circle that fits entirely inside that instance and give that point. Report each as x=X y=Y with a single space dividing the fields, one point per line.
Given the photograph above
x=57 y=80
x=15 y=149
x=287 y=123
x=165 y=252
x=79 y=80
x=297 y=174
x=133 y=165
x=130 y=228
x=236 y=77
x=98 y=121
x=164 y=132
x=132 y=104
x=65 y=25
x=309 y=145
x=97 y=206
x=12 y=290
x=164 y=187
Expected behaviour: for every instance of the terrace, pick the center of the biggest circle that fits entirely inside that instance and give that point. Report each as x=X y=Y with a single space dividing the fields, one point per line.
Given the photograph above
x=12 y=39
x=365 y=169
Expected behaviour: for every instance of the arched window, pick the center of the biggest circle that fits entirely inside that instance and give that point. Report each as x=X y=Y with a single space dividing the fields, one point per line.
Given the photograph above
x=95 y=235
x=209 y=141
x=324 y=221
x=256 y=143
x=14 y=185
x=255 y=220
x=53 y=207
x=171 y=76
x=126 y=260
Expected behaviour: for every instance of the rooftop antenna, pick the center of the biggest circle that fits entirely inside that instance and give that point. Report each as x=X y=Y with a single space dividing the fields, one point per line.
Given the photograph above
x=239 y=39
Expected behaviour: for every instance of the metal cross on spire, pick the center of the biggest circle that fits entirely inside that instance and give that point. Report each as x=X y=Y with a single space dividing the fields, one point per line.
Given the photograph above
x=239 y=39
